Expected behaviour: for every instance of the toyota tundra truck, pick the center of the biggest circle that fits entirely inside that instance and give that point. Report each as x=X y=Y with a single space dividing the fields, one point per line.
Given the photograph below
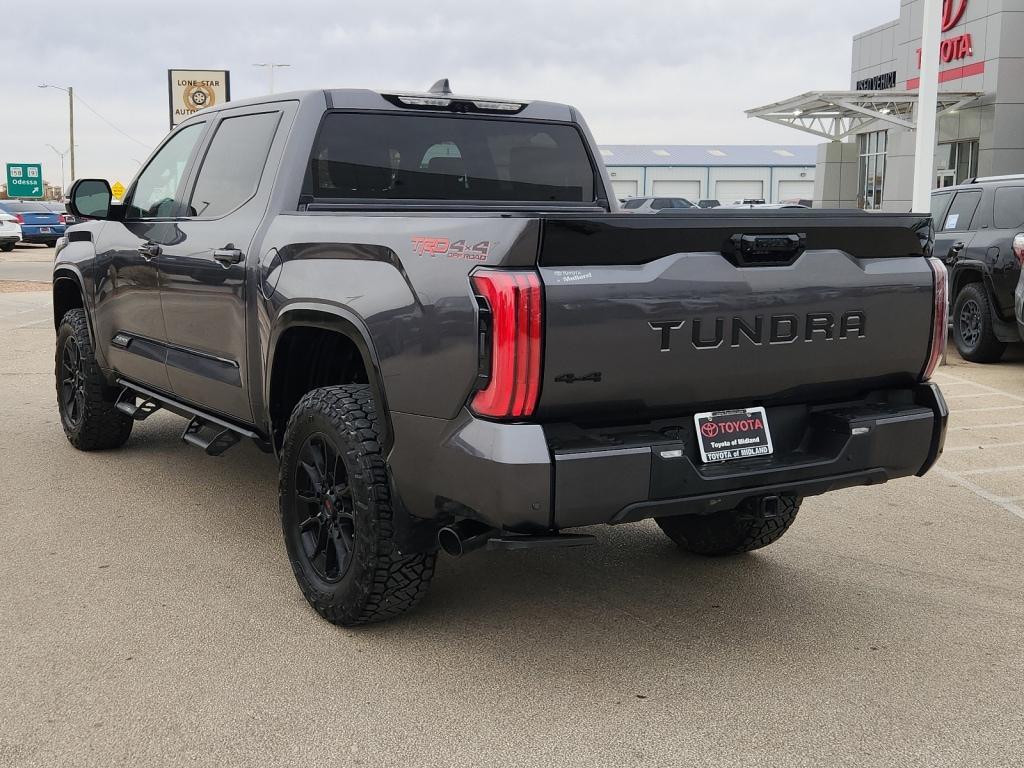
x=431 y=310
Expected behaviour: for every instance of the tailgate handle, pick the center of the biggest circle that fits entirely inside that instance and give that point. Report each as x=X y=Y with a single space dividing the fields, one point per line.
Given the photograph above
x=767 y=250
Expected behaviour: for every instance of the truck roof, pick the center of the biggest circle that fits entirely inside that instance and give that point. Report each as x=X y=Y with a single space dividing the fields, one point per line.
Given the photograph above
x=404 y=101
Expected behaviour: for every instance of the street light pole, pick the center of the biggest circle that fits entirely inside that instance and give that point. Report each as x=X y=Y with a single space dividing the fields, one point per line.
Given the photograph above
x=271 y=68
x=927 y=108
x=63 y=188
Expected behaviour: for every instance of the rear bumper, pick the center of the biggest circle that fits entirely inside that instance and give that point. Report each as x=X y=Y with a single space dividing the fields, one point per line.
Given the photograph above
x=531 y=477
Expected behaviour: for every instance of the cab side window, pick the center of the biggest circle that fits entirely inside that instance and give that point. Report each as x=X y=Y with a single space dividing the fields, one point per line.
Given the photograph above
x=940 y=202
x=157 y=187
x=1009 y=209
x=234 y=164
x=961 y=213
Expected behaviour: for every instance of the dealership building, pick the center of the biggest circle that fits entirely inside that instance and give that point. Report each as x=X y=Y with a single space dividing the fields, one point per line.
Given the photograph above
x=867 y=160
x=725 y=173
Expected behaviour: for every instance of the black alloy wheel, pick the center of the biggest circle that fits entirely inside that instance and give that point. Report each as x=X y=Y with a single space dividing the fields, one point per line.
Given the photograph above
x=338 y=513
x=86 y=403
x=323 y=494
x=974 y=330
x=970 y=321
x=72 y=384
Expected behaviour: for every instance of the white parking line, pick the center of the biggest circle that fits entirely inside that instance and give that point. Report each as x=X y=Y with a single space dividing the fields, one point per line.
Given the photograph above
x=964 y=397
x=1007 y=504
x=988 y=426
x=990 y=408
x=992 y=470
x=985 y=447
x=984 y=387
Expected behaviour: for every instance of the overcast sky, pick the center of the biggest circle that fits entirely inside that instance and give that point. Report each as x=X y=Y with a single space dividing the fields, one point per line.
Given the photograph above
x=642 y=71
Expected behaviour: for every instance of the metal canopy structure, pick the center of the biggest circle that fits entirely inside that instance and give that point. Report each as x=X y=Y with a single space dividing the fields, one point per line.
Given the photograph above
x=835 y=115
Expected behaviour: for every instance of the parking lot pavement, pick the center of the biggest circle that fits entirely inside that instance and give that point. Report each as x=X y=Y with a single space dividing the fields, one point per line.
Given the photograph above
x=149 y=617
x=30 y=263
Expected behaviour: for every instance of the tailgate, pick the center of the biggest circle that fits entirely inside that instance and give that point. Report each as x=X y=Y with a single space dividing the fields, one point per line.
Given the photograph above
x=672 y=314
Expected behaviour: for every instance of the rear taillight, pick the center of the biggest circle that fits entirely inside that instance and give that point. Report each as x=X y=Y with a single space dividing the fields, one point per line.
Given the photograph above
x=20 y=218
x=63 y=219
x=1018 y=248
x=513 y=301
x=940 y=317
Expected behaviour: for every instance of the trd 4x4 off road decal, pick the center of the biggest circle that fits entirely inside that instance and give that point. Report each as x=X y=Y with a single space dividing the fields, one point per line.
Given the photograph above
x=442 y=246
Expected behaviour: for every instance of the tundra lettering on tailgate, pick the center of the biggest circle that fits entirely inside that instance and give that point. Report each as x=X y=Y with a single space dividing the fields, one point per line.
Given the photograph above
x=762 y=330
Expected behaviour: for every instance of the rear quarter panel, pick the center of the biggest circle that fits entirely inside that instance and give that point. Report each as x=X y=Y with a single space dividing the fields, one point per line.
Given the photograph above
x=417 y=307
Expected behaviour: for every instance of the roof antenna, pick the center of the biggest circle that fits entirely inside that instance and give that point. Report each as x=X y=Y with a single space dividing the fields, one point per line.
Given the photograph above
x=441 y=87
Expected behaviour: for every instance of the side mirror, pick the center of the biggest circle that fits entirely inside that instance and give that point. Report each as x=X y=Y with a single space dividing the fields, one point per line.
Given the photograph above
x=90 y=198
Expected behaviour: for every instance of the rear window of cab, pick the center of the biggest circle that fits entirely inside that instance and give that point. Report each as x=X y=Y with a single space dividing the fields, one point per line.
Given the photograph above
x=427 y=157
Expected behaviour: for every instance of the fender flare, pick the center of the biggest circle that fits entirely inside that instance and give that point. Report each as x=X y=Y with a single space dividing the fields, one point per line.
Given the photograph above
x=337 y=319
x=70 y=273
x=960 y=268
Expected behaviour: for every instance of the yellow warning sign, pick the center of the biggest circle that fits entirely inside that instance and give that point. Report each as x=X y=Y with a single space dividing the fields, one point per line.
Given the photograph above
x=118 y=190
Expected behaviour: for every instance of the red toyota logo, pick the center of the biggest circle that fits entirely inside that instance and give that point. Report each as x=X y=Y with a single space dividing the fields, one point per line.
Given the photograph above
x=710 y=429
x=951 y=17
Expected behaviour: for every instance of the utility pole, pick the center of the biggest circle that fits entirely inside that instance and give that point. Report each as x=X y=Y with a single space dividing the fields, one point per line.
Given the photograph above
x=71 y=131
x=270 y=69
x=71 y=120
x=927 y=108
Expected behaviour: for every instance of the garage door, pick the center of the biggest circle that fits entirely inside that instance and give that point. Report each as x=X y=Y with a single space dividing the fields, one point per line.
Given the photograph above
x=624 y=189
x=796 y=190
x=731 y=191
x=688 y=189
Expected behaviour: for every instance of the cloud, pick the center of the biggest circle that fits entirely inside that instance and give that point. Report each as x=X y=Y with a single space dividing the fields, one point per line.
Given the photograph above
x=677 y=72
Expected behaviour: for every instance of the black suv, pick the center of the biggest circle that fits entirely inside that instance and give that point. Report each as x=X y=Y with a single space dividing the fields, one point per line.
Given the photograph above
x=979 y=234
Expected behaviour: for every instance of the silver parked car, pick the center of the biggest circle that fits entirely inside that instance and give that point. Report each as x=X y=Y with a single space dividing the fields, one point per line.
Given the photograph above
x=656 y=204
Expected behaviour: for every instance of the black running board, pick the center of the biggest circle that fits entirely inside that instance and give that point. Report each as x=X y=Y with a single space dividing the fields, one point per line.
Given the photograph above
x=511 y=542
x=140 y=411
x=204 y=430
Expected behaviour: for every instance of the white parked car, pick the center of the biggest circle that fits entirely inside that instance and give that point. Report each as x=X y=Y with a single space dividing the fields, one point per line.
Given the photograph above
x=10 y=232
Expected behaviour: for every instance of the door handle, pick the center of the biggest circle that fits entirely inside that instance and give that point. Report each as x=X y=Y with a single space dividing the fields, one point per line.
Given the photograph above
x=227 y=256
x=149 y=251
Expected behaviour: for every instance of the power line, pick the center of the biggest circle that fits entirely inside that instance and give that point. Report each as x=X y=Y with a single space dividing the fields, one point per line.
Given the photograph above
x=88 y=106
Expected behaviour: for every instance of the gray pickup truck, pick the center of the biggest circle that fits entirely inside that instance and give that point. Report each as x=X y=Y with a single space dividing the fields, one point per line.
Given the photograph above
x=431 y=310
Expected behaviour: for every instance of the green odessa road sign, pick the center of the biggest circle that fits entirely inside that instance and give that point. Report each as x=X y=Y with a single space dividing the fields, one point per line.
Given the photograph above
x=24 y=180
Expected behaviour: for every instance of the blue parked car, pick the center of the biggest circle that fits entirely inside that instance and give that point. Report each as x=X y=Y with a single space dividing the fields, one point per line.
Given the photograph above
x=38 y=223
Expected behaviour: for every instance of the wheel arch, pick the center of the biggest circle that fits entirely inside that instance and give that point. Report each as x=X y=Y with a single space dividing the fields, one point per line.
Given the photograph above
x=69 y=293
x=345 y=334
x=970 y=272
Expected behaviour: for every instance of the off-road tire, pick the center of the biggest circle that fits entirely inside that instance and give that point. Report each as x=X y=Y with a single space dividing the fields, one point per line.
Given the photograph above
x=93 y=423
x=977 y=344
x=379 y=583
x=731 y=532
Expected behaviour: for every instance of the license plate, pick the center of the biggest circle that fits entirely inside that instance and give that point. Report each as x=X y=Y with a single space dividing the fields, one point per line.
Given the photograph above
x=730 y=435
x=45 y=230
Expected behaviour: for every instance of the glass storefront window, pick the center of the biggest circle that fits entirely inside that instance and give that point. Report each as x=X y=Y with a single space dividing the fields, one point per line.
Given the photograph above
x=871 y=172
x=960 y=158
